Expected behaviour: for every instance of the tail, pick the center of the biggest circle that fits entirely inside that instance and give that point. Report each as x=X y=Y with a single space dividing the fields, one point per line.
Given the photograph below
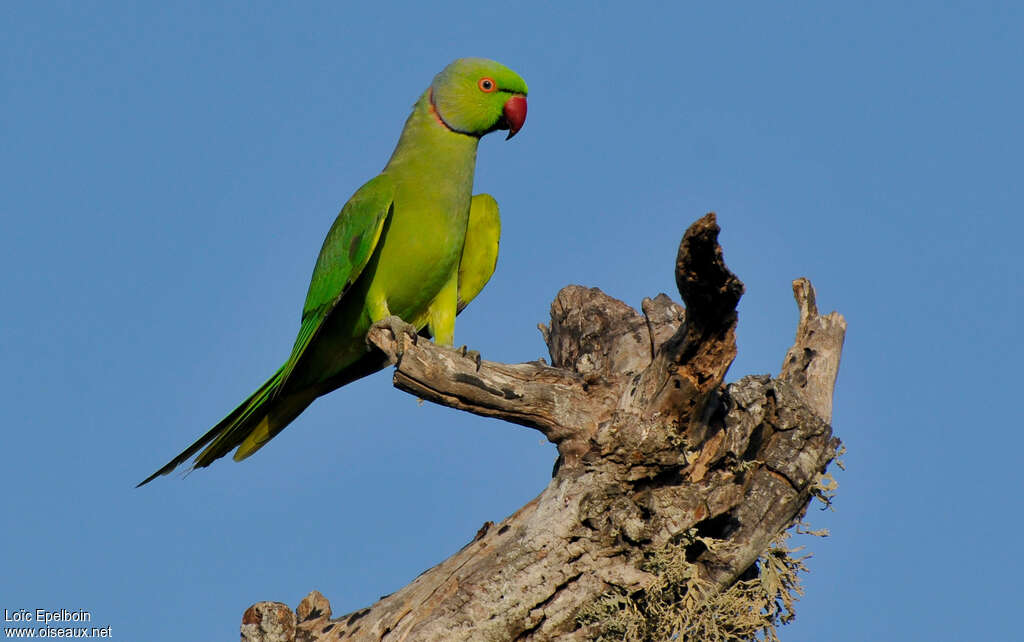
x=249 y=426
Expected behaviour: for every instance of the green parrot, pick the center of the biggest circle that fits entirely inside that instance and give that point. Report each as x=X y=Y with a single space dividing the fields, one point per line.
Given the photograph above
x=412 y=242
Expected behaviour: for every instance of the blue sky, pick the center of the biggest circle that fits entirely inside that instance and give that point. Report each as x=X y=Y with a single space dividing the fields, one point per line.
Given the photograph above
x=168 y=172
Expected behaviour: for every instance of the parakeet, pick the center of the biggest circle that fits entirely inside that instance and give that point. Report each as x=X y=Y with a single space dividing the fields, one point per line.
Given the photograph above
x=412 y=242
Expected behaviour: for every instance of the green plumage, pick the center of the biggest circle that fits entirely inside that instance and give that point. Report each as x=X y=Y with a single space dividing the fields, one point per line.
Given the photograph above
x=411 y=242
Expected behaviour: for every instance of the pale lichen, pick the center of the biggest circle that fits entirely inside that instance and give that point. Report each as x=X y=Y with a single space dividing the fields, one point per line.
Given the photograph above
x=679 y=605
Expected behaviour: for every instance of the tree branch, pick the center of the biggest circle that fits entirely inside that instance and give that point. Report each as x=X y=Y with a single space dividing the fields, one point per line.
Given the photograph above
x=812 y=364
x=669 y=484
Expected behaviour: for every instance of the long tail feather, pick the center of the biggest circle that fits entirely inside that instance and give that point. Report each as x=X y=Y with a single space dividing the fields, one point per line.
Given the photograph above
x=229 y=431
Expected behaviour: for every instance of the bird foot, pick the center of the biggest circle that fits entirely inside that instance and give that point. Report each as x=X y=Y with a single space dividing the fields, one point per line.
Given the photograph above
x=397 y=327
x=474 y=355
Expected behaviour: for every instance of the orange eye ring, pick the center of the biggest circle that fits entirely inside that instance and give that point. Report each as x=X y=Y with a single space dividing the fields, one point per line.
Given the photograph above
x=487 y=85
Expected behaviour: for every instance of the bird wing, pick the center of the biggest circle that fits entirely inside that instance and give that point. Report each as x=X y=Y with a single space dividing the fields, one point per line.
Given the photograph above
x=480 y=251
x=346 y=251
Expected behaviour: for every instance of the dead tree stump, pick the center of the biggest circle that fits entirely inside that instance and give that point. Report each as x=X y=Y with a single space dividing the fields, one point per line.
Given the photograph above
x=668 y=492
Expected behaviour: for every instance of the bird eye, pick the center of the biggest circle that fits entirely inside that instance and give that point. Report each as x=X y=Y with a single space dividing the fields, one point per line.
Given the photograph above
x=486 y=85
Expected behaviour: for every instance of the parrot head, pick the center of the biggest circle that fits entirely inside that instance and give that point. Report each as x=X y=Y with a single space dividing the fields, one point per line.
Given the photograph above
x=476 y=96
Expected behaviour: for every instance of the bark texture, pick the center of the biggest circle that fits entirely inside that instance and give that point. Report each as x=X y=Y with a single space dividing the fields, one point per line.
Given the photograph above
x=655 y=455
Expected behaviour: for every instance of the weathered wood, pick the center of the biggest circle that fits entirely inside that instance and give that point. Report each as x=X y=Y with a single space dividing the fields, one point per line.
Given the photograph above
x=664 y=472
x=552 y=400
x=812 y=364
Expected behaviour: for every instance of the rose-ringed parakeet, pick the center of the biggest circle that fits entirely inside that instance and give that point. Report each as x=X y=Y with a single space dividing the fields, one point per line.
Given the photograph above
x=412 y=242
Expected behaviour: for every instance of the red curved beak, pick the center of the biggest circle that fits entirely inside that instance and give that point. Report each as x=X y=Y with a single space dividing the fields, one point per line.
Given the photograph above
x=515 y=114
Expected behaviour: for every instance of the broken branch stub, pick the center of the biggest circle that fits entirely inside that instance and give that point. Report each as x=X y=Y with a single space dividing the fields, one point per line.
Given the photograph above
x=669 y=484
x=812 y=364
